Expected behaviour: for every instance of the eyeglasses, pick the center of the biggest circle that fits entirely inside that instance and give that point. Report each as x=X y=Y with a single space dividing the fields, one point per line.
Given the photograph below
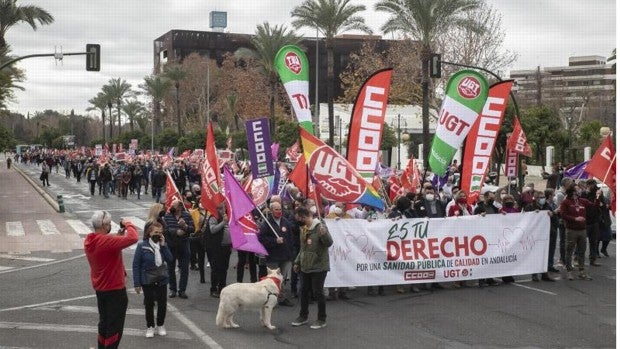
x=157 y=232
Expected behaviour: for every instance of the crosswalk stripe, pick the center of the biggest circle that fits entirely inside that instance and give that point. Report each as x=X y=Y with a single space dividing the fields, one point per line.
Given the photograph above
x=84 y=309
x=23 y=258
x=81 y=329
x=47 y=227
x=15 y=229
x=79 y=226
x=5 y=268
x=139 y=223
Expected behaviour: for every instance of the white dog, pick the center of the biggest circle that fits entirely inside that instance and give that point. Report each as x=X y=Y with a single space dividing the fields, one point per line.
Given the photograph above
x=261 y=295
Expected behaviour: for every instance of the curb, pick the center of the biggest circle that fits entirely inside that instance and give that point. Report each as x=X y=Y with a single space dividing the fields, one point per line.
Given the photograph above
x=42 y=192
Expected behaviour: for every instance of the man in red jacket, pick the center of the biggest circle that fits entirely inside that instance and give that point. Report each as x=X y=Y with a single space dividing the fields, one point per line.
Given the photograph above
x=107 y=274
x=573 y=213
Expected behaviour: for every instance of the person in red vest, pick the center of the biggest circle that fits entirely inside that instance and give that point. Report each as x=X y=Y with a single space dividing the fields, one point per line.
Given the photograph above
x=107 y=274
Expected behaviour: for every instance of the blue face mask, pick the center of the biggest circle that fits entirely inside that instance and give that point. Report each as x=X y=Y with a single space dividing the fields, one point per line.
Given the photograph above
x=541 y=201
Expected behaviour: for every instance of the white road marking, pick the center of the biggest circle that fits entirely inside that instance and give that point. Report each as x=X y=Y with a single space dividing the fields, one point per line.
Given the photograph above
x=535 y=289
x=84 y=309
x=29 y=259
x=114 y=210
x=48 y=303
x=47 y=227
x=5 y=268
x=205 y=338
x=79 y=226
x=15 y=229
x=139 y=223
x=41 y=265
x=81 y=329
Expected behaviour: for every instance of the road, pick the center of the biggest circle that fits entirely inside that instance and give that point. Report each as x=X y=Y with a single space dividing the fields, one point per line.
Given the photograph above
x=48 y=301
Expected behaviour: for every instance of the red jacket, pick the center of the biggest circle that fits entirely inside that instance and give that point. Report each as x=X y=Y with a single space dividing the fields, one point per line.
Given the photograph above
x=104 y=253
x=455 y=210
x=571 y=209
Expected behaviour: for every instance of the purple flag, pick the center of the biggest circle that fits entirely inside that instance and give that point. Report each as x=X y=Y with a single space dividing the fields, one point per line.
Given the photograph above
x=242 y=226
x=275 y=148
x=259 y=145
x=577 y=171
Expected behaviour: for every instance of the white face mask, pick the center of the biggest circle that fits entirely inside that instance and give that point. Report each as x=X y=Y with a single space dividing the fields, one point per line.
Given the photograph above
x=502 y=196
x=429 y=197
x=513 y=182
x=338 y=211
x=313 y=209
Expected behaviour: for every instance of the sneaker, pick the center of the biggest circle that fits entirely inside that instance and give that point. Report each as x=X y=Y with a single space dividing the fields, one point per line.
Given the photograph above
x=584 y=276
x=318 y=324
x=182 y=295
x=161 y=331
x=569 y=276
x=300 y=321
x=150 y=332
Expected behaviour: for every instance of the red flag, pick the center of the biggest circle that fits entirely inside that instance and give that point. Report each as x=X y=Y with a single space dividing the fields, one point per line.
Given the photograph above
x=299 y=176
x=517 y=141
x=186 y=154
x=396 y=189
x=481 y=140
x=603 y=164
x=366 y=127
x=410 y=179
x=172 y=192
x=211 y=181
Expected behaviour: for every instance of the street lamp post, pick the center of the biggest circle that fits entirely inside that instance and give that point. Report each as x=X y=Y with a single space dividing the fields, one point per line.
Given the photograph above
x=398 y=135
x=111 y=120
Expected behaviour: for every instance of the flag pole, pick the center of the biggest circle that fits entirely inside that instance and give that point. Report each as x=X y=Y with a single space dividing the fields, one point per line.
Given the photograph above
x=609 y=168
x=176 y=189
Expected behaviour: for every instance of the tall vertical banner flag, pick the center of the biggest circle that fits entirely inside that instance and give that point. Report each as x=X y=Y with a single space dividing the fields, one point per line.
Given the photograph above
x=366 y=125
x=481 y=140
x=517 y=141
x=292 y=66
x=603 y=164
x=240 y=205
x=466 y=93
x=259 y=145
x=210 y=180
x=334 y=175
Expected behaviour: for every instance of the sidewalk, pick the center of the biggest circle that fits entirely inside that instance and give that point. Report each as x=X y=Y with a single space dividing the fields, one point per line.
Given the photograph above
x=25 y=216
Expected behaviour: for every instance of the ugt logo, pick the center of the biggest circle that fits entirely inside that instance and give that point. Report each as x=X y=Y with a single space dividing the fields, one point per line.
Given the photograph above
x=469 y=87
x=293 y=63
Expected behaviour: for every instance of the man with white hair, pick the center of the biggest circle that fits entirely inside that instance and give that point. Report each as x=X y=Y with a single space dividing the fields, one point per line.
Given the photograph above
x=107 y=274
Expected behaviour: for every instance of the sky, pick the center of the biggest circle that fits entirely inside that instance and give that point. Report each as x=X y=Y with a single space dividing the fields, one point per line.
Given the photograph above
x=541 y=32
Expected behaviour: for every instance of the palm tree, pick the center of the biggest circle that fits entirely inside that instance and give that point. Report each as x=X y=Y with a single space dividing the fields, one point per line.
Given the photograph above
x=11 y=14
x=176 y=73
x=231 y=109
x=425 y=20
x=134 y=110
x=331 y=18
x=117 y=90
x=100 y=102
x=156 y=87
x=267 y=41
x=9 y=76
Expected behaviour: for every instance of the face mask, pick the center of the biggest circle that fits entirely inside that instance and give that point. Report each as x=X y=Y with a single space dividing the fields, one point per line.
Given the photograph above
x=162 y=213
x=338 y=211
x=173 y=210
x=509 y=204
x=313 y=209
x=502 y=196
x=156 y=238
x=461 y=200
x=429 y=197
x=513 y=182
x=277 y=214
x=541 y=201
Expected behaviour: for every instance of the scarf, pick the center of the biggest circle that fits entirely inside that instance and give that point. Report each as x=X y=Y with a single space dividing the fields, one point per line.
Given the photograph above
x=156 y=252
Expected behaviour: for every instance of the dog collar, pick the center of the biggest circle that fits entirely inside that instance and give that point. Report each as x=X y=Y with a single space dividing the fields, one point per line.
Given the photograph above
x=274 y=279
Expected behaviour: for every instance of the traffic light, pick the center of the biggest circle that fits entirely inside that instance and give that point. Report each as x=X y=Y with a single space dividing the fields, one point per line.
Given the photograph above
x=435 y=65
x=93 y=57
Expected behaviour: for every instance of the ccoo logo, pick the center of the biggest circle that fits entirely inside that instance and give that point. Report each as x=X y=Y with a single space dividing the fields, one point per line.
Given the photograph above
x=293 y=62
x=469 y=87
x=332 y=172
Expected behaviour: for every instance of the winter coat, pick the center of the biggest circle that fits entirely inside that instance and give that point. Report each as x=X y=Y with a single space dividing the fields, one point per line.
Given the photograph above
x=278 y=252
x=144 y=259
x=313 y=256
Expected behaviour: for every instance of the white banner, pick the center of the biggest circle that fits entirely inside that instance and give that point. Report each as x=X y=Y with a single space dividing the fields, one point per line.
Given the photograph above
x=392 y=252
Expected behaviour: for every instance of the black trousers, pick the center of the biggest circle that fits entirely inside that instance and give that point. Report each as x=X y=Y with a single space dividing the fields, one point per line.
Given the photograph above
x=221 y=265
x=112 y=308
x=312 y=283
x=593 y=232
x=212 y=252
x=250 y=258
x=155 y=293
